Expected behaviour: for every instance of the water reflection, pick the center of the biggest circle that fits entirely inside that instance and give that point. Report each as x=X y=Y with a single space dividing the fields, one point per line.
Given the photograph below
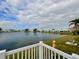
x=19 y=39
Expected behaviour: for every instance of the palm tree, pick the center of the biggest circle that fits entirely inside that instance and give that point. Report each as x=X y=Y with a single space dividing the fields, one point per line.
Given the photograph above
x=76 y=25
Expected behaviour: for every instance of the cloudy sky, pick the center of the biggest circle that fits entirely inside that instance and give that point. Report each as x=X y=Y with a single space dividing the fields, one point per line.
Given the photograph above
x=42 y=14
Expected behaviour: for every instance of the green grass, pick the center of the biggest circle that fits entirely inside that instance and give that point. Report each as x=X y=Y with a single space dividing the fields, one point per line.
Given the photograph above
x=60 y=44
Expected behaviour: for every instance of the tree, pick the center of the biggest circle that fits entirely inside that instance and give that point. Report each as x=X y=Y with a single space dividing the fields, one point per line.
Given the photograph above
x=42 y=31
x=0 y=29
x=26 y=30
x=35 y=30
x=76 y=25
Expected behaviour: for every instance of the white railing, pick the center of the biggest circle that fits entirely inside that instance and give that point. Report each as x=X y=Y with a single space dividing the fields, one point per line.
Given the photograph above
x=35 y=51
x=28 y=52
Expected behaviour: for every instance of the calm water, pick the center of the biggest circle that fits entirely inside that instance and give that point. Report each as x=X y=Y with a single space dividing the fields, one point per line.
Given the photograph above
x=19 y=39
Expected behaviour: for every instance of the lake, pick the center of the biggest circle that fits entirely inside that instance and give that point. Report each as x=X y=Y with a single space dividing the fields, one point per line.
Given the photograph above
x=15 y=40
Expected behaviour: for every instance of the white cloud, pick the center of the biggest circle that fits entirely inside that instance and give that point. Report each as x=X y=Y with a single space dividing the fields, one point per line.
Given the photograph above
x=13 y=3
x=46 y=12
x=6 y=24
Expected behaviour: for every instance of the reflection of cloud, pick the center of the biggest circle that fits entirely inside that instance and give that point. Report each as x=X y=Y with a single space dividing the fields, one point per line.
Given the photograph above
x=46 y=13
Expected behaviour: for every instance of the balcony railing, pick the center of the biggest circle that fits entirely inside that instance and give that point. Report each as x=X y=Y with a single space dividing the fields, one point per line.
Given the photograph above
x=35 y=51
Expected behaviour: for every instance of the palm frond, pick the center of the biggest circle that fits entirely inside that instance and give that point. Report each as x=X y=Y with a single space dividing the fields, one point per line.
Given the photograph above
x=76 y=20
x=71 y=24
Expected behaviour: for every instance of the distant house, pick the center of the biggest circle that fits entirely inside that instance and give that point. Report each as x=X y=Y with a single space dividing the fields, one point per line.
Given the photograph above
x=75 y=30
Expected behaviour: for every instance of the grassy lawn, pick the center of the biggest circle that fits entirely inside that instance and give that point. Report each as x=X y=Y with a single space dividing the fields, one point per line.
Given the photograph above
x=60 y=44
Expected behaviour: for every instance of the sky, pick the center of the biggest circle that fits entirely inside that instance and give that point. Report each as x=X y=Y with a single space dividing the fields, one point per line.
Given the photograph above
x=41 y=14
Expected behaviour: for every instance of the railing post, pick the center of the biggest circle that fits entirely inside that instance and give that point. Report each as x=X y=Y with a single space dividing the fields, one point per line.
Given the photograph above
x=3 y=54
x=40 y=50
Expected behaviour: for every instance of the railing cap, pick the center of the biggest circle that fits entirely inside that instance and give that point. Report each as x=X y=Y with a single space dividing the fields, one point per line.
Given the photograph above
x=75 y=55
x=40 y=41
x=2 y=51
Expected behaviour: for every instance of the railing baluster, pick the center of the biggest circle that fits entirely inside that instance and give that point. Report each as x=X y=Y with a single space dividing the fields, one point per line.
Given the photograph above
x=51 y=55
x=31 y=53
x=46 y=53
x=13 y=56
x=40 y=50
x=58 y=56
x=8 y=57
x=18 y=55
x=63 y=57
x=37 y=53
x=28 y=53
x=54 y=55
x=22 y=55
x=34 y=52
x=25 y=54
